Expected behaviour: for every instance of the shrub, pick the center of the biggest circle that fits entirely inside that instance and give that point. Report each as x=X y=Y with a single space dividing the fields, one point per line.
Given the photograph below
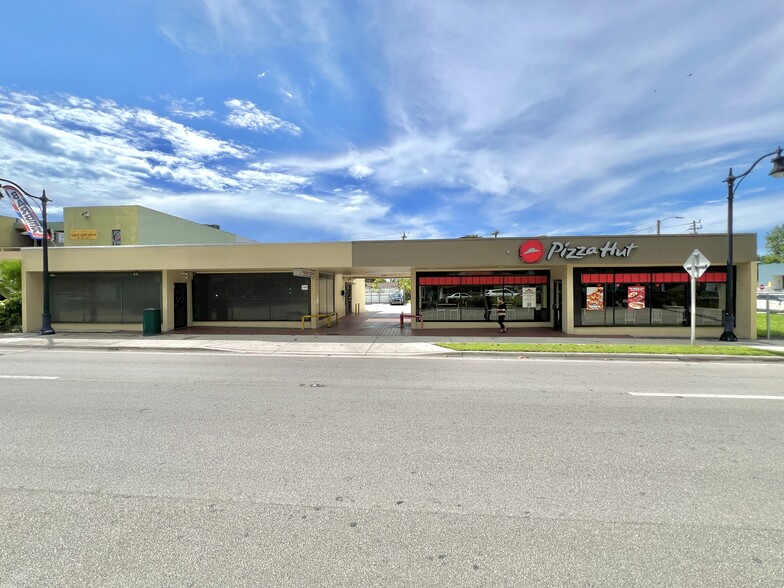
x=11 y=314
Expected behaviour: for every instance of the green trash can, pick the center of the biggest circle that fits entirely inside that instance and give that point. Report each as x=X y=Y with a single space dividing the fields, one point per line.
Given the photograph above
x=151 y=321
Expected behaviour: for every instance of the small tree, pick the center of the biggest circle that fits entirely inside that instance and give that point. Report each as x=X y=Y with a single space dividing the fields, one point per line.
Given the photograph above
x=774 y=242
x=10 y=278
x=11 y=291
x=405 y=287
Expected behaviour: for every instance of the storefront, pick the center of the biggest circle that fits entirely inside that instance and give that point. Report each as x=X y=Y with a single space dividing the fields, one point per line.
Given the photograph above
x=597 y=285
x=591 y=285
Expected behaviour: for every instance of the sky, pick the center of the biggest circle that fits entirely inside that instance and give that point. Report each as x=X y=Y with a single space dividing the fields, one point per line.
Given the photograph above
x=315 y=120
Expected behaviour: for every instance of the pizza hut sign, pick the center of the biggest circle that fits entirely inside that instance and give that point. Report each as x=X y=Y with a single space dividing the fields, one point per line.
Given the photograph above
x=533 y=250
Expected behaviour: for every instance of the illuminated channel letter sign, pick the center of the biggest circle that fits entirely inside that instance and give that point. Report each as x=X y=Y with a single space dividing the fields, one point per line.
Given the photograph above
x=533 y=250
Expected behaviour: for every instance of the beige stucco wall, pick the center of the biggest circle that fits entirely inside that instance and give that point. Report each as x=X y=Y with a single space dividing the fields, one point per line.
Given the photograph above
x=503 y=254
x=80 y=222
x=10 y=253
x=10 y=236
x=398 y=258
x=158 y=228
x=175 y=260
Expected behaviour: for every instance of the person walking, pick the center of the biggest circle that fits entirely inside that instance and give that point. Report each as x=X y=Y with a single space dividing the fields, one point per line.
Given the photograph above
x=488 y=305
x=501 y=313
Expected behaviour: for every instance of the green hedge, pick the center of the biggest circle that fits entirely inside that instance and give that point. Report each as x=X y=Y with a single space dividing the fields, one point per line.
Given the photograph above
x=11 y=314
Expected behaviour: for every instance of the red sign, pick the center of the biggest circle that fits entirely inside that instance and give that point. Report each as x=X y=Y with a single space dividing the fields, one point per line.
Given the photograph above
x=531 y=251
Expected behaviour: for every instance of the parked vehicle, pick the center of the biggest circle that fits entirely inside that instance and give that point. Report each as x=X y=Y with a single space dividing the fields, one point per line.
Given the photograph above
x=458 y=296
x=776 y=302
x=505 y=292
x=397 y=298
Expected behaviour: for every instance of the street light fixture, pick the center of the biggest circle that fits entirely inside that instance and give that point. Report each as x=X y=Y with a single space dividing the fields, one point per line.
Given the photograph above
x=659 y=223
x=46 y=318
x=776 y=172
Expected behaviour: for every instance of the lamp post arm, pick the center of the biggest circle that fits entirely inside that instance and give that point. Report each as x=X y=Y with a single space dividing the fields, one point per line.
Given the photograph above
x=18 y=187
x=731 y=179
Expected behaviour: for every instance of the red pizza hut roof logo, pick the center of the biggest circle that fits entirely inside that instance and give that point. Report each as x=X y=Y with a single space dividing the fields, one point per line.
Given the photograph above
x=531 y=251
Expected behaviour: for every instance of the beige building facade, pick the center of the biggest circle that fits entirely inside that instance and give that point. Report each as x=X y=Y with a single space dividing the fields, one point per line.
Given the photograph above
x=603 y=285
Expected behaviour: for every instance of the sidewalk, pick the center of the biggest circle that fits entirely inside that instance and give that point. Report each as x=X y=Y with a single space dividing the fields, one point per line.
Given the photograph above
x=343 y=345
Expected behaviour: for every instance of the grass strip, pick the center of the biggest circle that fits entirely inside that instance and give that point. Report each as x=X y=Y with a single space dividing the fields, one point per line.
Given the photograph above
x=776 y=326
x=736 y=350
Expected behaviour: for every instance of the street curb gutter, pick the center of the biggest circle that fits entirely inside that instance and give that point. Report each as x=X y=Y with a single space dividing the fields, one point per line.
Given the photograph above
x=620 y=356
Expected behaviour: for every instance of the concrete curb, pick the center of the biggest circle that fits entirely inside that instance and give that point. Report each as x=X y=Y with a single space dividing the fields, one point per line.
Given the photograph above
x=621 y=356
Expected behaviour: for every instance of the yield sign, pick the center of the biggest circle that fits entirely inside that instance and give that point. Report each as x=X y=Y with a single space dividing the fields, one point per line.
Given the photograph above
x=696 y=264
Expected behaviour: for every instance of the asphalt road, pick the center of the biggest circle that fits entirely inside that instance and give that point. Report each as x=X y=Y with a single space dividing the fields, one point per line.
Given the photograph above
x=162 y=469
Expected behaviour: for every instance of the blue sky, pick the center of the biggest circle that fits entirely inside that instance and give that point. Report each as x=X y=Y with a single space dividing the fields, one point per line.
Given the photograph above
x=309 y=120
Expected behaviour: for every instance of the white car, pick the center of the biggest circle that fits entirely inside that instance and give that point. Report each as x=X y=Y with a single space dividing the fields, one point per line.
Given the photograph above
x=458 y=296
x=505 y=292
x=776 y=302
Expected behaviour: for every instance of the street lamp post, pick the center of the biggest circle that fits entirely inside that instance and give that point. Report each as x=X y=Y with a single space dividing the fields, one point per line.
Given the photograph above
x=46 y=317
x=776 y=172
x=659 y=223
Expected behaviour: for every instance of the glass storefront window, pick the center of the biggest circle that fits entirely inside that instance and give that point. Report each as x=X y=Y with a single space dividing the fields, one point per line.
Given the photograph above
x=645 y=297
x=250 y=297
x=471 y=297
x=103 y=297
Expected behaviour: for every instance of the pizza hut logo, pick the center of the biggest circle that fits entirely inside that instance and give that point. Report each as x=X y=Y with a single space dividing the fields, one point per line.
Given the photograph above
x=531 y=251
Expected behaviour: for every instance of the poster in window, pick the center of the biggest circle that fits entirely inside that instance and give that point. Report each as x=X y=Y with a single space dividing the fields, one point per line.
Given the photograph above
x=636 y=296
x=529 y=298
x=594 y=298
x=116 y=237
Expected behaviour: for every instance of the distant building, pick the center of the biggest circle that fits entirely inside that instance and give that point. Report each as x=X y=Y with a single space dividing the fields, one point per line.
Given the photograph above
x=771 y=276
x=116 y=225
x=136 y=225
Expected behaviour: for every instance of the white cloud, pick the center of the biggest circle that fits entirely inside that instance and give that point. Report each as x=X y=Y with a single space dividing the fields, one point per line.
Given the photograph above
x=359 y=171
x=189 y=108
x=260 y=176
x=93 y=148
x=244 y=114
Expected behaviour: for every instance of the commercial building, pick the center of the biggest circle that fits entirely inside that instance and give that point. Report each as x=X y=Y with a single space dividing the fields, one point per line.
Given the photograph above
x=771 y=277
x=612 y=284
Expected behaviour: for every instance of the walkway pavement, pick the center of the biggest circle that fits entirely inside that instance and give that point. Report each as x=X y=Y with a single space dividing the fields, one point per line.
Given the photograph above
x=375 y=332
x=342 y=345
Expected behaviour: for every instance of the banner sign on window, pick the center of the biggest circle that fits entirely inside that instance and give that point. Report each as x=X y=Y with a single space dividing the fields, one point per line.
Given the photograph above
x=594 y=298
x=25 y=212
x=636 y=297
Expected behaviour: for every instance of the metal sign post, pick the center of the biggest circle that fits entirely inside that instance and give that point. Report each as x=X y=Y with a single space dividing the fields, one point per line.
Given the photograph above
x=696 y=264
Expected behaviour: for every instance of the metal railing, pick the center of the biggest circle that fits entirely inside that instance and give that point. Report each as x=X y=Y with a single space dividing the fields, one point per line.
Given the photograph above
x=327 y=315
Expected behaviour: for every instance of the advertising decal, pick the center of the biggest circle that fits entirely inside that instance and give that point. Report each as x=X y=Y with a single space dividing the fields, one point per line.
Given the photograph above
x=594 y=298
x=636 y=297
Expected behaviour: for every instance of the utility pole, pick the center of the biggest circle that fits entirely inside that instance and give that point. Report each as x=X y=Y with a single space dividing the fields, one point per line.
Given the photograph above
x=694 y=226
